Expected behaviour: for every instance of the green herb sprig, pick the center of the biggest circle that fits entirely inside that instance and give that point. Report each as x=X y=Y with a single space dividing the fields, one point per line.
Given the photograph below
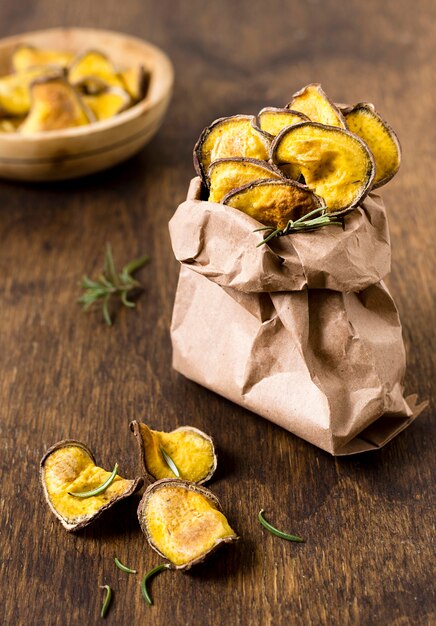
x=300 y=225
x=275 y=531
x=124 y=568
x=110 y=284
x=168 y=460
x=99 y=489
x=106 y=601
x=150 y=574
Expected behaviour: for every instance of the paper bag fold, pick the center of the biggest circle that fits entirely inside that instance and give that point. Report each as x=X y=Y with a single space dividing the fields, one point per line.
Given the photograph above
x=219 y=242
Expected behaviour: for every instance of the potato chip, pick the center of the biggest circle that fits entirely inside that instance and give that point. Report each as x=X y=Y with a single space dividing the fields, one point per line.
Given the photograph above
x=92 y=71
x=274 y=202
x=313 y=102
x=69 y=467
x=107 y=103
x=55 y=105
x=183 y=522
x=335 y=163
x=15 y=89
x=191 y=451
x=364 y=121
x=272 y=120
x=136 y=81
x=225 y=175
x=235 y=136
x=26 y=57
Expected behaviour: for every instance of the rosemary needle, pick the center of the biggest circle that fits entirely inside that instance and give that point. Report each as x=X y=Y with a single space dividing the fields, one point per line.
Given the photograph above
x=150 y=574
x=168 y=460
x=275 y=531
x=107 y=600
x=124 y=568
x=97 y=490
x=302 y=224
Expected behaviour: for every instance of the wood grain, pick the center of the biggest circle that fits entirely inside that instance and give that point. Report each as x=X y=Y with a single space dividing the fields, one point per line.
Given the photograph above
x=367 y=520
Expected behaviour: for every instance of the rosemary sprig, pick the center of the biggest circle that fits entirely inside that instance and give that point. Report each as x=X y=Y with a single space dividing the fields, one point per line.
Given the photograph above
x=124 y=568
x=275 y=531
x=110 y=284
x=168 y=460
x=150 y=574
x=302 y=224
x=99 y=489
x=107 y=600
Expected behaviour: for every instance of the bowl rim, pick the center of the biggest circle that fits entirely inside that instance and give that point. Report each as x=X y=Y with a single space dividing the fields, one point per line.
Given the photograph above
x=99 y=126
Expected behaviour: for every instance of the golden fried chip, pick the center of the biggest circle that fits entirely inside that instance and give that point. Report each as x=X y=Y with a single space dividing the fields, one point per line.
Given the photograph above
x=10 y=124
x=364 y=121
x=235 y=136
x=272 y=120
x=313 y=102
x=183 y=522
x=107 y=103
x=273 y=202
x=93 y=71
x=291 y=171
x=15 y=90
x=225 y=175
x=55 y=105
x=335 y=163
x=26 y=56
x=69 y=467
x=191 y=451
x=136 y=81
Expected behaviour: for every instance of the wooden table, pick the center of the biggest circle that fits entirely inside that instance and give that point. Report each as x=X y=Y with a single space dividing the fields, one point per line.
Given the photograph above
x=367 y=519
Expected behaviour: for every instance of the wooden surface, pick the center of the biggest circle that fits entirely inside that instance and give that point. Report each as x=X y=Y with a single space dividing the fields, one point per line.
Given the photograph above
x=367 y=520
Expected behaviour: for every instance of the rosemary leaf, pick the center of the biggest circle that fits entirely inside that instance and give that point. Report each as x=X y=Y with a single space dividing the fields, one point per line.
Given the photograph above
x=303 y=224
x=97 y=490
x=124 y=568
x=150 y=574
x=106 y=313
x=127 y=303
x=109 y=265
x=275 y=531
x=107 y=600
x=111 y=284
x=134 y=265
x=168 y=460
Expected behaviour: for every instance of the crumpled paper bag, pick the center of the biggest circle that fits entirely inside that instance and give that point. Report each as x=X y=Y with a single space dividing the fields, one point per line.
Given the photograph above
x=302 y=331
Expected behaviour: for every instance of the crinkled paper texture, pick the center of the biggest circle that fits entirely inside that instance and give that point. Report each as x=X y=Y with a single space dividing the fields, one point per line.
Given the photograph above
x=218 y=242
x=302 y=332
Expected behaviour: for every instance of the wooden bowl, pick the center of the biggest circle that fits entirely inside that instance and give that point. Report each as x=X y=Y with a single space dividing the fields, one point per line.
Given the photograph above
x=73 y=152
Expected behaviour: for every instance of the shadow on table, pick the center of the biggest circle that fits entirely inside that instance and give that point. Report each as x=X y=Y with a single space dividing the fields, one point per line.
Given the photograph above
x=118 y=521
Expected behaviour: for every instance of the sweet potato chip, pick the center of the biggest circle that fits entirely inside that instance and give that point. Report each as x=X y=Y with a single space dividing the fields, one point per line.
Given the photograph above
x=235 y=136
x=273 y=202
x=335 y=163
x=55 y=105
x=26 y=57
x=191 y=450
x=313 y=102
x=225 y=175
x=364 y=121
x=69 y=467
x=15 y=90
x=272 y=120
x=10 y=124
x=92 y=71
x=107 y=103
x=183 y=522
x=136 y=81
x=291 y=171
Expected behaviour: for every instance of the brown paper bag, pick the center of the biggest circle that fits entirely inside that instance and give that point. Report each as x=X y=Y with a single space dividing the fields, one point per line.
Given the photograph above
x=302 y=331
